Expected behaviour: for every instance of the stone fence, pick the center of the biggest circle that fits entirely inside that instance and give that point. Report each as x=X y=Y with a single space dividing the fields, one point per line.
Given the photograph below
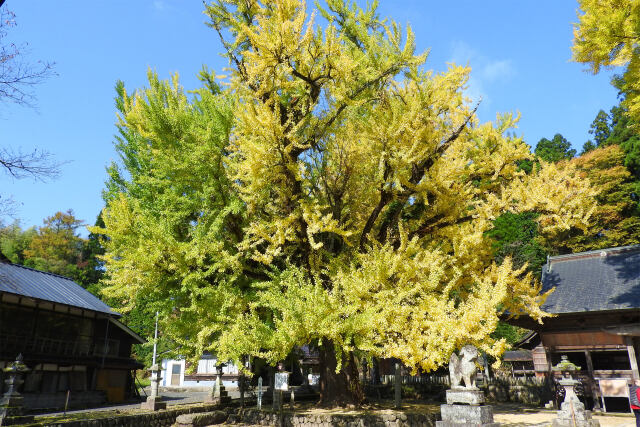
x=205 y=415
x=383 y=419
x=529 y=391
x=532 y=391
x=164 y=418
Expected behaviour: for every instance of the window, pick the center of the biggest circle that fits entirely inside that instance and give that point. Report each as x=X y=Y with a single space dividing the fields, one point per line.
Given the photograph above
x=611 y=360
x=206 y=366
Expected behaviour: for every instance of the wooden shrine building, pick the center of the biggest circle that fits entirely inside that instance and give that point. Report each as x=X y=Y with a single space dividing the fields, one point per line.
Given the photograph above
x=69 y=339
x=596 y=320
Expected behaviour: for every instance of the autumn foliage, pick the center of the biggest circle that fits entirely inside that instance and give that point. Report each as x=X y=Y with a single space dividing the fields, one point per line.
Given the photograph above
x=335 y=194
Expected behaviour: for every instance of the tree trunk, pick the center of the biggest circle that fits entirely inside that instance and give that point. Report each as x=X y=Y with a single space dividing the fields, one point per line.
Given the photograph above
x=338 y=388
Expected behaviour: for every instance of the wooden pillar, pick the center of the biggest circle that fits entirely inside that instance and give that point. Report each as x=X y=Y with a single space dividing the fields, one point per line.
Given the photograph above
x=632 y=358
x=595 y=392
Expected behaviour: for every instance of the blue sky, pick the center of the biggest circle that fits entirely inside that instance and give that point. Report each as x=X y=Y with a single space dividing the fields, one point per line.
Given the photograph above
x=519 y=53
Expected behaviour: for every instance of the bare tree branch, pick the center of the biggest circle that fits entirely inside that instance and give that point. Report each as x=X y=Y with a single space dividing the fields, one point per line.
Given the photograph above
x=37 y=164
x=18 y=76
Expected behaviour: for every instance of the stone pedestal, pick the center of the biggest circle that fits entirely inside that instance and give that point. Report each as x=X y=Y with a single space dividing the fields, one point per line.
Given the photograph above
x=153 y=404
x=154 y=401
x=466 y=415
x=468 y=396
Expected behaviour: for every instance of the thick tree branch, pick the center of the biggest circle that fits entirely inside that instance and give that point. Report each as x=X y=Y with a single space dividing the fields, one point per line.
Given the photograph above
x=385 y=197
x=319 y=133
x=438 y=221
x=418 y=171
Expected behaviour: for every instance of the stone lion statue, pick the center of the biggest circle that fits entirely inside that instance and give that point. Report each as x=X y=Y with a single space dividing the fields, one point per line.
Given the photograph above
x=464 y=367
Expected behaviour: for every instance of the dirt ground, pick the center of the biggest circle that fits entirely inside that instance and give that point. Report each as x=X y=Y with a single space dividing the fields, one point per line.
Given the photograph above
x=511 y=415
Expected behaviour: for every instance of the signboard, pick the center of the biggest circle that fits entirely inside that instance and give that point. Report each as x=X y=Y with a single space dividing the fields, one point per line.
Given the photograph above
x=282 y=381
x=614 y=388
x=314 y=379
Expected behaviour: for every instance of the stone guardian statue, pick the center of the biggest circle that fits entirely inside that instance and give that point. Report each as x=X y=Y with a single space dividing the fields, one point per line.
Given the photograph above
x=464 y=367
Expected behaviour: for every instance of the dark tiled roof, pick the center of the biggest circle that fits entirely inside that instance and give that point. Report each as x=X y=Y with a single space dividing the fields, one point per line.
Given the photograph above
x=19 y=280
x=602 y=280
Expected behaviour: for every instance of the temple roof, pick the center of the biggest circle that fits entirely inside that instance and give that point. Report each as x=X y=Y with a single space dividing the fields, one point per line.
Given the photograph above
x=27 y=282
x=602 y=280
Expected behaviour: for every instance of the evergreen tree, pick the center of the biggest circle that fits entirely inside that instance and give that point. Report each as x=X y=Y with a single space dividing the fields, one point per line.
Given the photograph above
x=588 y=146
x=514 y=236
x=554 y=150
x=600 y=129
x=625 y=133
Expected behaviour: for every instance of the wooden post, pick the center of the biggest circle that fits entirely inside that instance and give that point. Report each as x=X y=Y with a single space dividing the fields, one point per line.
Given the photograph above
x=66 y=402
x=632 y=358
x=241 y=389
x=595 y=392
x=281 y=415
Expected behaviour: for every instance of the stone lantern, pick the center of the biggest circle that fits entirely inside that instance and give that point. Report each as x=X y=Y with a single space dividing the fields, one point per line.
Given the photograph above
x=572 y=411
x=219 y=393
x=12 y=403
x=154 y=401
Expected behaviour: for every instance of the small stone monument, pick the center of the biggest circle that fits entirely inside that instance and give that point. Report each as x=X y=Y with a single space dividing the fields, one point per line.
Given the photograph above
x=219 y=393
x=12 y=403
x=154 y=401
x=572 y=412
x=464 y=405
x=259 y=399
x=281 y=384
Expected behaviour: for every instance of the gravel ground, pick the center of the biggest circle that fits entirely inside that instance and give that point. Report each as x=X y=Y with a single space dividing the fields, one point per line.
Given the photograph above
x=514 y=416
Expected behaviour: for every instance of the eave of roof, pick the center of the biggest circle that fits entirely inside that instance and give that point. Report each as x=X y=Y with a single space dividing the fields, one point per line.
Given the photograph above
x=39 y=285
x=128 y=330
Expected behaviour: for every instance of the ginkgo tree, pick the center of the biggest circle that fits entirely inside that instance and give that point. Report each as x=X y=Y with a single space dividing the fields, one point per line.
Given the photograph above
x=334 y=194
x=607 y=35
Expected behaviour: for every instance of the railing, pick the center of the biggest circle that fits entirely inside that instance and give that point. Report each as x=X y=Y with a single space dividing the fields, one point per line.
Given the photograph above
x=106 y=348
x=14 y=344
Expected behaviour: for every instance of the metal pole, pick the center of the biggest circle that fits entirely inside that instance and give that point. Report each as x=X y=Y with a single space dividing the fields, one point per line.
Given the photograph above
x=155 y=340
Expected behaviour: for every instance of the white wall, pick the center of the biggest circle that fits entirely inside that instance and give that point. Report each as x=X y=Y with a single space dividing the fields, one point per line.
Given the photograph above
x=205 y=366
